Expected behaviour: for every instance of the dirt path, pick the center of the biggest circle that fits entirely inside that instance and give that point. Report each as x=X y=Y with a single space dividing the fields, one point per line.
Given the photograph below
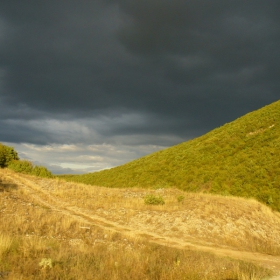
x=45 y=198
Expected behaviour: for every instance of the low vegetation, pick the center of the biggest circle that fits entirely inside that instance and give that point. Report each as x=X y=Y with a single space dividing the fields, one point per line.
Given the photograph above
x=151 y=199
x=39 y=242
x=7 y=155
x=9 y=158
x=240 y=158
x=26 y=167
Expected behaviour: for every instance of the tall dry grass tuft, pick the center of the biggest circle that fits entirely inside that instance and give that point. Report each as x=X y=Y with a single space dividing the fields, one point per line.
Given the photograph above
x=5 y=244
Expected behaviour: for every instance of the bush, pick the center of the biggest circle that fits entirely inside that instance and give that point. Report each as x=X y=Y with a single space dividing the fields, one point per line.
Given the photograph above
x=41 y=171
x=153 y=200
x=180 y=198
x=21 y=166
x=2 y=156
x=26 y=167
x=7 y=154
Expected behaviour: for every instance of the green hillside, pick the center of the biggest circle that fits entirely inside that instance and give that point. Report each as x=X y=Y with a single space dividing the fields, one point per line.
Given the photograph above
x=241 y=158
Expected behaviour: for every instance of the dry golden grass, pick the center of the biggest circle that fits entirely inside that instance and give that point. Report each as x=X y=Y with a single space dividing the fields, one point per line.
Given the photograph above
x=42 y=242
x=5 y=244
x=208 y=219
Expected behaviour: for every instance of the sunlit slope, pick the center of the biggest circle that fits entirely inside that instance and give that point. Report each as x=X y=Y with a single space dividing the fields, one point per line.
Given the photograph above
x=241 y=158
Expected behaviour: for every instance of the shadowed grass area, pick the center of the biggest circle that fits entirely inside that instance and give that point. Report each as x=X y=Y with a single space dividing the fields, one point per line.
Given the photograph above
x=6 y=186
x=241 y=158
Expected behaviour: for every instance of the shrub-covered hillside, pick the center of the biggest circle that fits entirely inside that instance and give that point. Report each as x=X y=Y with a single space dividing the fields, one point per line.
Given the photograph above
x=9 y=158
x=241 y=158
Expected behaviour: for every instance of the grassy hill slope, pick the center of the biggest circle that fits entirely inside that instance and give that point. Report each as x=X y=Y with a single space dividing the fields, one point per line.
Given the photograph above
x=241 y=158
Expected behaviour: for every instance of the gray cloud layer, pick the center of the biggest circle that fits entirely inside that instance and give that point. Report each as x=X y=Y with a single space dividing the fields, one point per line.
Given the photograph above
x=133 y=72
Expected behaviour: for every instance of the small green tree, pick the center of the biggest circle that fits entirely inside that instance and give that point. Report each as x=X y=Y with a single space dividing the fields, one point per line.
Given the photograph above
x=2 y=156
x=7 y=155
x=11 y=154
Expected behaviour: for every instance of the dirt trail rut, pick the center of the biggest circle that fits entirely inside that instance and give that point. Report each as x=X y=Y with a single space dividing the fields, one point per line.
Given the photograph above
x=45 y=198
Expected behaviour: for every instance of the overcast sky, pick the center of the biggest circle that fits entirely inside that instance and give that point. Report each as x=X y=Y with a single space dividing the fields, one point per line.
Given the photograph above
x=88 y=85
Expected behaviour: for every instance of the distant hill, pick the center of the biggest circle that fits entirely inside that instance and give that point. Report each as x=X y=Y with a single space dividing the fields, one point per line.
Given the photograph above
x=241 y=158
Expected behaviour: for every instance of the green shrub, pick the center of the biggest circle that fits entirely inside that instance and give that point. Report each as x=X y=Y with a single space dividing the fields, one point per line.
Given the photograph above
x=7 y=154
x=180 y=198
x=41 y=171
x=2 y=156
x=26 y=167
x=21 y=166
x=153 y=200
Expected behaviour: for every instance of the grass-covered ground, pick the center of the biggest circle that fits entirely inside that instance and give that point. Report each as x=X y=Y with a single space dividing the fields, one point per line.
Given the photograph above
x=241 y=158
x=40 y=238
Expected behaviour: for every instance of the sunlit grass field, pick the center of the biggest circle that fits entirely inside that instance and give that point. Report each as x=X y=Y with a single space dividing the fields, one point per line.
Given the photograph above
x=38 y=242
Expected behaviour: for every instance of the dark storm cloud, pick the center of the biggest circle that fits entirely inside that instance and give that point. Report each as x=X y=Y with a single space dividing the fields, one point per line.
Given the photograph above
x=147 y=71
x=55 y=53
x=217 y=49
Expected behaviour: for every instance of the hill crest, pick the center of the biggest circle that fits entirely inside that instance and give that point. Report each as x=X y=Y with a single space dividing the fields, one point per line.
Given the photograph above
x=240 y=158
